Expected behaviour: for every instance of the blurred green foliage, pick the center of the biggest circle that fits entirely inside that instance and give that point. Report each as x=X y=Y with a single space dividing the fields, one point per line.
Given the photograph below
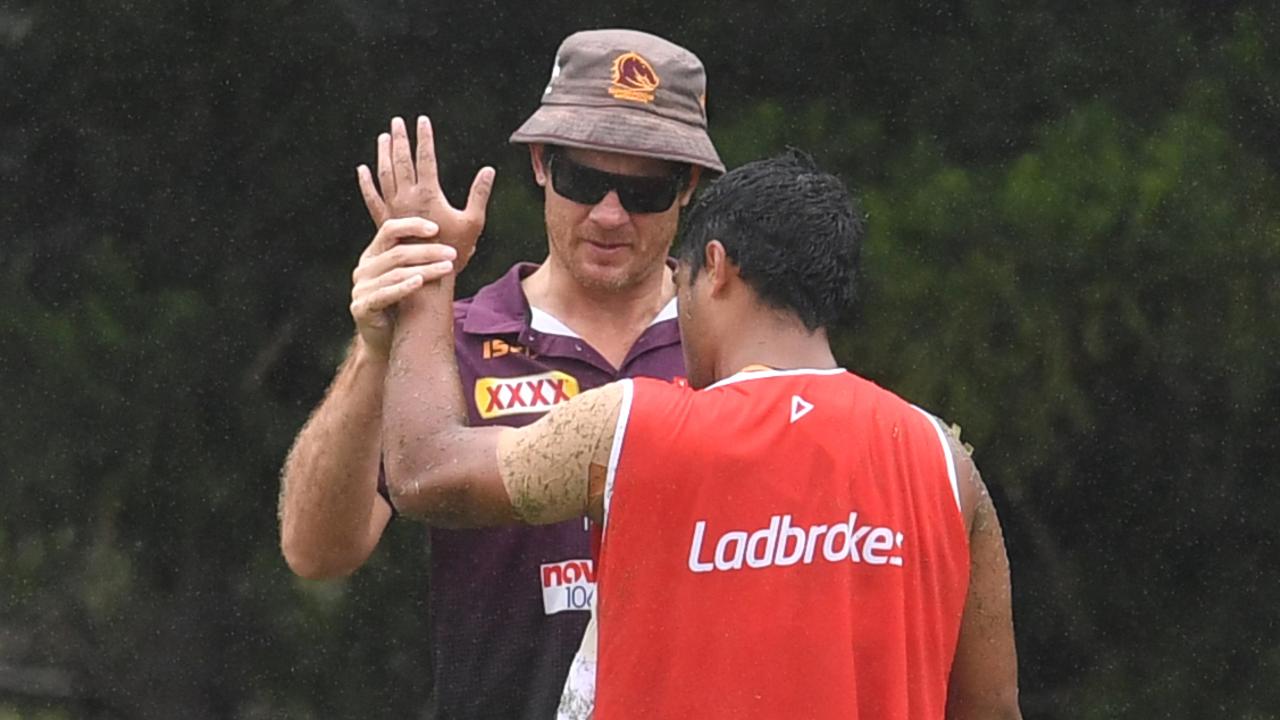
x=1074 y=253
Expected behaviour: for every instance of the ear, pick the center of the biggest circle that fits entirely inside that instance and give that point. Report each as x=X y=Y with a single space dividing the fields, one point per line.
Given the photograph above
x=718 y=267
x=536 y=156
x=695 y=174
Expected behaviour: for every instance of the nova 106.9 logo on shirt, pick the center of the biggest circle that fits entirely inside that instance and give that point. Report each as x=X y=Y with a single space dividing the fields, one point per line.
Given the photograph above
x=568 y=585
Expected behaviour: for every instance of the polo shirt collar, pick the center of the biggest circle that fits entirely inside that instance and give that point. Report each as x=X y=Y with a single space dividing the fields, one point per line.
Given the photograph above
x=501 y=308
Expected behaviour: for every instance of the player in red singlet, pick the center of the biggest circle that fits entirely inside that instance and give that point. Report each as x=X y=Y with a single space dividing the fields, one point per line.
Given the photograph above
x=787 y=541
x=812 y=535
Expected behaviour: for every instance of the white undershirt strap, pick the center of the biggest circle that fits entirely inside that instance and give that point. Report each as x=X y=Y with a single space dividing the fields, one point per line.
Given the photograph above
x=941 y=430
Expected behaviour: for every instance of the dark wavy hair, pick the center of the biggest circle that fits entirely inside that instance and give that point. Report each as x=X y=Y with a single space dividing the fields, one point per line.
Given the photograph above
x=794 y=232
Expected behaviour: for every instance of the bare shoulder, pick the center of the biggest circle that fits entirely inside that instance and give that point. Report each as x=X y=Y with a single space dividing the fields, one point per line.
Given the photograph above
x=582 y=418
x=546 y=466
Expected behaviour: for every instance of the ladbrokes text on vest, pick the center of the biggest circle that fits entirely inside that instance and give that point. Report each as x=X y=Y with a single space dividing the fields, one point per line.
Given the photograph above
x=780 y=545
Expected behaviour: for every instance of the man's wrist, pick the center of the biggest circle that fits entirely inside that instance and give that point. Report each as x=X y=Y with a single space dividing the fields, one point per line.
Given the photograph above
x=431 y=298
x=364 y=355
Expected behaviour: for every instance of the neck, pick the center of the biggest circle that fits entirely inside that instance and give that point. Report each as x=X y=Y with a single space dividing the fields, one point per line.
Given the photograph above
x=775 y=341
x=590 y=310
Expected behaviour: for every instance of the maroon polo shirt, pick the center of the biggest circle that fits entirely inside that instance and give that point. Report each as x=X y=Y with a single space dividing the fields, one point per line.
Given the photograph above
x=509 y=605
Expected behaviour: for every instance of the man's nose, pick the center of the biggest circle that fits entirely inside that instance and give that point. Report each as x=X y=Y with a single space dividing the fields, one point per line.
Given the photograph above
x=609 y=213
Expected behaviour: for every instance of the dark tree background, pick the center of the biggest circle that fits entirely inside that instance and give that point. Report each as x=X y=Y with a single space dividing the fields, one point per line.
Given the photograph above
x=1074 y=253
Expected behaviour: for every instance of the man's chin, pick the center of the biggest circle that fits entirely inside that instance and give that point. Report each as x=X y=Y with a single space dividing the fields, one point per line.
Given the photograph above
x=597 y=276
x=605 y=282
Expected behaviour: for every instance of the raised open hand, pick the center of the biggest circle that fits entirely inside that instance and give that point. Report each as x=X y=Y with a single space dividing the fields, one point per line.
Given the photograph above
x=410 y=187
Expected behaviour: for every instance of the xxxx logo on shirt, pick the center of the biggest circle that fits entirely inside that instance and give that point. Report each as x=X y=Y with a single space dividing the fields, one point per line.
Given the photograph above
x=498 y=397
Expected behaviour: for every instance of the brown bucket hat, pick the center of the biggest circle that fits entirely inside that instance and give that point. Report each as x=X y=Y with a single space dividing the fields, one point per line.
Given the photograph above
x=625 y=91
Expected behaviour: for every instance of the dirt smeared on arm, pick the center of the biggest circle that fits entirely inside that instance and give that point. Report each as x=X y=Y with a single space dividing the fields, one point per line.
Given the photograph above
x=553 y=468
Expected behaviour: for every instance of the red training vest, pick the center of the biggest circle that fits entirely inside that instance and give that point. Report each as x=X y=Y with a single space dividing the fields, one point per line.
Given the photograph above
x=783 y=544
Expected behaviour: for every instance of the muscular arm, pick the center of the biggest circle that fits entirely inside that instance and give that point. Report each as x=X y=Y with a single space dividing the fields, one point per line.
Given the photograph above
x=331 y=516
x=984 y=674
x=442 y=471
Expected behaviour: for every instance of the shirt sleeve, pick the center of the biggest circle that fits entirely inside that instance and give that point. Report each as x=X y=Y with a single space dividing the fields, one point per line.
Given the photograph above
x=385 y=491
x=547 y=467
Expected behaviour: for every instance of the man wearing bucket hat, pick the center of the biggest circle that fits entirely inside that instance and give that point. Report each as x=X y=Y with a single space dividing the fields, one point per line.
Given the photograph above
x=782 y=538
x=618 y=144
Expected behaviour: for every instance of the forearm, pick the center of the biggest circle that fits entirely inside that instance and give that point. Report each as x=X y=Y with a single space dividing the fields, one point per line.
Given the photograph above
x=441 y=470
x=328 y=493
x=434 y=461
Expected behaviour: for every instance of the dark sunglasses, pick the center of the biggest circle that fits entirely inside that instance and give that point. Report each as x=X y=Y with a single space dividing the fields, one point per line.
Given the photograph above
x=638 y=194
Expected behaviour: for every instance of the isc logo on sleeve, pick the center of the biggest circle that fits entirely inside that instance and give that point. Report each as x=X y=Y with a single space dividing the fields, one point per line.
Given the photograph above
x=568 y=585
x=498 y=397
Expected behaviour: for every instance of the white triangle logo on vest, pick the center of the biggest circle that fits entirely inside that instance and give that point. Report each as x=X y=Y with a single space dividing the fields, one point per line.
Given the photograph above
x=799 y=407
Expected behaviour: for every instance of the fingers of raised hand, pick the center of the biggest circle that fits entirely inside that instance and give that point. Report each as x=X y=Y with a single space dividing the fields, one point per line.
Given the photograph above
x=386 y=179
x=401 y=158
x=373 y=201
x=427 y=170
x=478 y=199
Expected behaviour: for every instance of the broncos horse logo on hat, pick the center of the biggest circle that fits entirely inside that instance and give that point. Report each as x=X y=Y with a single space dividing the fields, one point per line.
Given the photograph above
x=633 y=78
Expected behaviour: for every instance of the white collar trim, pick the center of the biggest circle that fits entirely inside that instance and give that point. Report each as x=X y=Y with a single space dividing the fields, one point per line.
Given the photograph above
x=668 y=312
x=548 y=324
x=745 y=375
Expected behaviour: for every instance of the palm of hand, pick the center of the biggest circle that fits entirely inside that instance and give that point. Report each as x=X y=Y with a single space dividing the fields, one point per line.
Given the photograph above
x=410 y=187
